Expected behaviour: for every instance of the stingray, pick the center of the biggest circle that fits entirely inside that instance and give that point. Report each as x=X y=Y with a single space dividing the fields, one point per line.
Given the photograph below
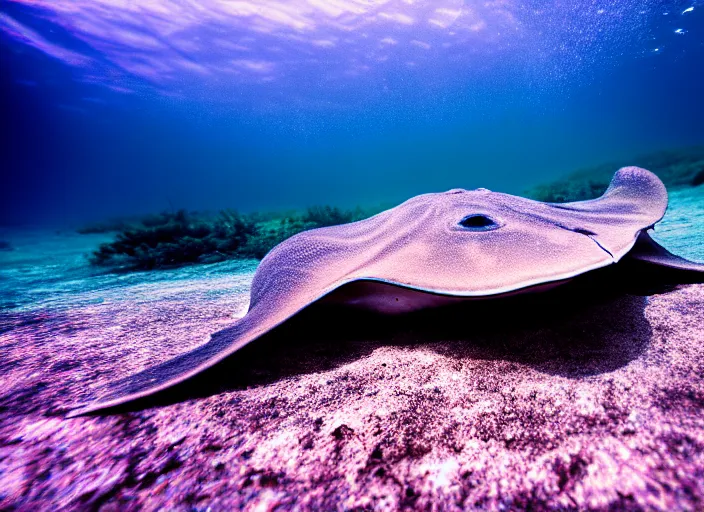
x=431 y=250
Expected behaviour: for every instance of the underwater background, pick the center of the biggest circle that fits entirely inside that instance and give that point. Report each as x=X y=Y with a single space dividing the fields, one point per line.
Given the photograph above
x=151 y=153
x=114 y=108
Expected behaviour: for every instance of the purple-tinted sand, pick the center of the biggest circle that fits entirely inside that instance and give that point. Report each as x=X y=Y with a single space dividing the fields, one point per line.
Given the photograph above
x=598 y=410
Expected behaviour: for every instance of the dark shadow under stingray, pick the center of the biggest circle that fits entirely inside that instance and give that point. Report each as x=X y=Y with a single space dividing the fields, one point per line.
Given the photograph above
x=592 y=325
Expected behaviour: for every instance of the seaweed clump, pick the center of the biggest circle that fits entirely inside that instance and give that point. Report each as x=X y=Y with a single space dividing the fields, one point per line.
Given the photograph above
x=676 y=168
x=169 y=240
x=174 y=239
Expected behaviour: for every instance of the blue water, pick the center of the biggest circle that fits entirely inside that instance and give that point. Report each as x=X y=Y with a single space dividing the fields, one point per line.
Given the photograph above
x=112 y=107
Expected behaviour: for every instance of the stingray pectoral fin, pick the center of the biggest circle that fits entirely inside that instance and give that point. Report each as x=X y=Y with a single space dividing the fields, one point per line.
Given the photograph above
x=157 y=378
x=635 y=200
x=648 y=250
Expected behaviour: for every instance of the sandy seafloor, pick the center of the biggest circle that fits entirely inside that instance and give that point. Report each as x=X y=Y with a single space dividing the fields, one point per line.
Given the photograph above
x=596 y=404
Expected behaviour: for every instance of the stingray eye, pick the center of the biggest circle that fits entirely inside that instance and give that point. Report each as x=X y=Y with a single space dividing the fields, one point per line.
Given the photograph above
x=478 y=222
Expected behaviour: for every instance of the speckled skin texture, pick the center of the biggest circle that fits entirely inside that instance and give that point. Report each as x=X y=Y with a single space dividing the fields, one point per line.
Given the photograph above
x=423 y=245
x=564 y=401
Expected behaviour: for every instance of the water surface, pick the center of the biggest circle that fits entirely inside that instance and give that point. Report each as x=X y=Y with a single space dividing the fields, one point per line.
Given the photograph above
x=113 y=107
